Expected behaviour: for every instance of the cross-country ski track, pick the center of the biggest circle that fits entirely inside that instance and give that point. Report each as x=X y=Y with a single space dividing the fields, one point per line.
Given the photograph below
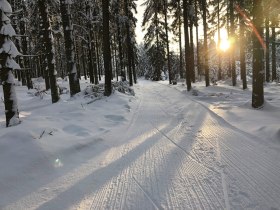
x=171 y=152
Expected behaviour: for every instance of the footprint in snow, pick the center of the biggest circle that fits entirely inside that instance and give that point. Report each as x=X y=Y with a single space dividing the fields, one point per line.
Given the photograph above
x=115 y=118
x=76 y=130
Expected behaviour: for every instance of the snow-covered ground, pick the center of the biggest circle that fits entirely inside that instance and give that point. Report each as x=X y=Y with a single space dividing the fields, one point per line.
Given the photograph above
x=164 y=148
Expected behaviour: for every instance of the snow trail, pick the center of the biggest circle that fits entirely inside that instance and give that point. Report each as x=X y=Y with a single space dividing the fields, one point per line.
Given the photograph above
x=171 y=152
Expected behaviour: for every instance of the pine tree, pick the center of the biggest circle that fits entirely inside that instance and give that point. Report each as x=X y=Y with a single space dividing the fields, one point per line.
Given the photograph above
x=232 y=34
x=167 y=41
x=267 y=58
x=176 y=26
x=69 y=47
x=273 y=48
x=8 y=52
x=187 y=45
x=128 y=42
x=155 y=36
x=258 y=73
x=106 y=48
x=242 y=43
x=205 y=29
x=48 y=48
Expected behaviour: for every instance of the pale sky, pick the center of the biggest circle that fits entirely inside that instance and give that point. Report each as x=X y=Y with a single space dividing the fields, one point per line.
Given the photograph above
x=140 y=34
x=139 y=16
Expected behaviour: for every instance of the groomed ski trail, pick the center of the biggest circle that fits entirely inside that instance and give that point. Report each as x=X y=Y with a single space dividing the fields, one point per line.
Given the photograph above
x=173 y=153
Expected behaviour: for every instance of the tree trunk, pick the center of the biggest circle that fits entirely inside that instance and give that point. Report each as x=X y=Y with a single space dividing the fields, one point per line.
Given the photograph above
x=133 y=66
x=258 y=74
x=48 y=48
x=95 y=72
x=99 y=66
x=273 y=53
x=106 y=48
x=191 y=17
x=128 y=40
x=157 y=73
x=7 y=79
x=167 y=42
x=205 y=28
x=232 y=52
x=219 y=42
x=180 y=42
x=197 y=43
x=26 y=62
x=90 y=63
x=187 y=46
x=192 y=53
x=242 y=48
x=267 y=70
x=69 y=47
x=120 y=43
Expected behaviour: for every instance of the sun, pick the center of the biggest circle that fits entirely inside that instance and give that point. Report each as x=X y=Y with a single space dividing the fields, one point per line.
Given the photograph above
x=224 y=45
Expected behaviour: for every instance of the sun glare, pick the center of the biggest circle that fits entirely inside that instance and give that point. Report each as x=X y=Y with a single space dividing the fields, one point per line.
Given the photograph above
x=224 y=45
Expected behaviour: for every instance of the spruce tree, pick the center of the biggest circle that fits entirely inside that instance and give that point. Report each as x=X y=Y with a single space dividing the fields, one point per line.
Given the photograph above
x=258 y=45
x=8 y=52
x=48 y=48
x=106 y=48
x=69 y=47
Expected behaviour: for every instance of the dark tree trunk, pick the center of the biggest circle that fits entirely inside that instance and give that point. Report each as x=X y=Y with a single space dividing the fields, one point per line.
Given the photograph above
x=273 y=53
x=180 y=43
x=228 y=29
x=129 y=47
x=133 y=66
x=187 y=46
x=95 y=72
x=116 y=59
x=84 y=63
x=40 y=68
x=192 y=53
x=26 y=62
x=157 y=68
x=205 y=28
x=167 y=42
x=232 y=52
x=120 y=42
x=99 y=66
x=11 y=107
x=191 y=17
x=106 y=48
x=219 y=42
x=6 y=75
x=69 y=47
x=267 y=70
x=242 y=49
x=197 y=42
x=48 y=49
x=258 y=74
x=77 y=53
x=90 y=63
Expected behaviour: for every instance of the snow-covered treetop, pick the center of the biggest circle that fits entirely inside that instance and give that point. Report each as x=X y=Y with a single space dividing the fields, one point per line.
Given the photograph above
x=9 y=48
x=7 y=29
x=5 y=7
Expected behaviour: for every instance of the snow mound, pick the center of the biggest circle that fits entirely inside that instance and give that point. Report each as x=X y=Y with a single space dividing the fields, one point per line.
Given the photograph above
x=97 y=91
x=123 y=87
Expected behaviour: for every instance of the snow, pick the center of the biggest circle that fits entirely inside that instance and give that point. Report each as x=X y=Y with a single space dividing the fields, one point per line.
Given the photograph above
x=8 y=30
x=5 y=6
x=9 y=48
x=11 y=63
x=162 y=148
